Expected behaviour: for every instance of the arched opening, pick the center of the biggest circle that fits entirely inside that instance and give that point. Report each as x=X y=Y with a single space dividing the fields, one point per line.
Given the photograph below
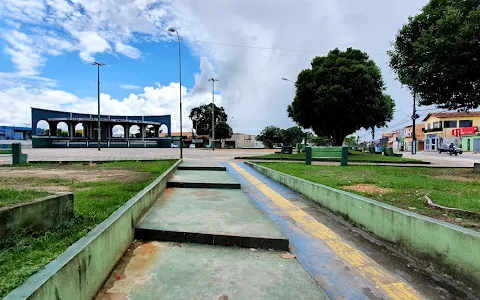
x=118 y=131
x=79 y=130
x=163 y=131
x=42 y=128
x=62 y=129
x=150 y=131
x=134 y=131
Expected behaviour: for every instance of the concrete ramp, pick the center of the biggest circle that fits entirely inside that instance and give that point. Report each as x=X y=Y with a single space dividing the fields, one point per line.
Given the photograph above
x=224 y=217
x=181 y=251
x=171 y=271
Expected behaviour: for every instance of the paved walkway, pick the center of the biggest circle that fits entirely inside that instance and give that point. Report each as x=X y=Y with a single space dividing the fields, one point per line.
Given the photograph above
x=110 y=154
x=183 y=255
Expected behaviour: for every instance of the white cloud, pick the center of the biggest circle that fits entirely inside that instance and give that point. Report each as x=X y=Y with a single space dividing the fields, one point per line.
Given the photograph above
x=127 y=50
x=250 y=78
x=129 y=87
x=154 y=101
x=158 y=100
x=89 y=43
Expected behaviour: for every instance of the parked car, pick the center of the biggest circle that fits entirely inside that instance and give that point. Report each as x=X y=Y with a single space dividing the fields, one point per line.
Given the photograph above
x=174 y=145
x=444 y=148
x=191 y=146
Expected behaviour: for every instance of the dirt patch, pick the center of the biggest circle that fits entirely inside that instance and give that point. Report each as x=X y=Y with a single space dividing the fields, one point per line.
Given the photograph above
x=48 y=188
x=209 y=195
x=368 y=189
x=459 y=178
x=131 y=272
x=75 y=175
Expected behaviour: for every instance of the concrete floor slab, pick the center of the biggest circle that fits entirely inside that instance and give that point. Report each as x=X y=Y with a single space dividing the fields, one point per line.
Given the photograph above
x=203 y=179
x=210 y=216
x=188 y=271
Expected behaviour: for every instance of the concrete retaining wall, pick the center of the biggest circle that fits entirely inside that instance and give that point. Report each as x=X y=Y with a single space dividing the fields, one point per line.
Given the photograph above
x=448 y=248
x=80 y=271
x=35 y=217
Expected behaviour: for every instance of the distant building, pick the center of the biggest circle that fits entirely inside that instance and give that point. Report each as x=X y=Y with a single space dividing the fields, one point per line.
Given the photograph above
x=77 y=130
x=16 y=133
x=451 y=127
x=242 y=140
x=419 y=136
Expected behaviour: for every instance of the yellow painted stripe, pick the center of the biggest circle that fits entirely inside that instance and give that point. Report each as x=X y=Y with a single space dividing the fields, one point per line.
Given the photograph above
x=360 y=263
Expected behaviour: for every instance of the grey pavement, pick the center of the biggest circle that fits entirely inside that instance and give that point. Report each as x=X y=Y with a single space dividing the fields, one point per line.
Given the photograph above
x=443 y=159
x=112 y=154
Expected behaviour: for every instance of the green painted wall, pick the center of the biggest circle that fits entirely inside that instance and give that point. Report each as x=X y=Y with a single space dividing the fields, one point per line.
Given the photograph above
x=449 y=248
x=35 y=217
x=80 y=271
x=465 y=142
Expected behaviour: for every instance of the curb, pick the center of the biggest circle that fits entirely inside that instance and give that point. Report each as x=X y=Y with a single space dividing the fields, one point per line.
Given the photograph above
x=446 y=247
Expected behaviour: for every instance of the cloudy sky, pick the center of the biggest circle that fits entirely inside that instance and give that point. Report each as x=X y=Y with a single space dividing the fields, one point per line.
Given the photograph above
x=48 y=46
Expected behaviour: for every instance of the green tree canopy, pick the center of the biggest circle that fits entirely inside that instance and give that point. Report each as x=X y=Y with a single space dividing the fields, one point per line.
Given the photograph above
x=223 y=131
x=202 y=117
x=342 y=92
x=293 y=135
x=437 y=54
x=270 y=135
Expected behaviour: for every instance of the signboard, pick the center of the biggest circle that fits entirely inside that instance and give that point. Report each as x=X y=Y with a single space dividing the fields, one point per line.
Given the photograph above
x=465 y=131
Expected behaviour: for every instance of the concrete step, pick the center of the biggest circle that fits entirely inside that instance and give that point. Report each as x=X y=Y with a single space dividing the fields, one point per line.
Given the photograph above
x=210 y=216
x=201 y=166
x=203 y=179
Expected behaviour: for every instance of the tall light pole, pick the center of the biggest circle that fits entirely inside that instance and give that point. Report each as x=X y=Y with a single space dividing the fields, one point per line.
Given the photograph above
x=283 y=78
x=180 y=95
x=213 y=112
x=99 y=130
x=414 y=117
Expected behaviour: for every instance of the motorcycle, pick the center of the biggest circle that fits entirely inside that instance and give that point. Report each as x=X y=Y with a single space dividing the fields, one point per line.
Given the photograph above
x=452 y=151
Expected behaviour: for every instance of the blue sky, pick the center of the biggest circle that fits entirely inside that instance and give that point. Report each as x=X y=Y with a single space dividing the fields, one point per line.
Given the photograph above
x=48 y=46
x=158 y=64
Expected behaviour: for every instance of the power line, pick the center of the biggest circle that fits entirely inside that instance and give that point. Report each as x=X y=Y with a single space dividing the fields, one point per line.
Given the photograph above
x=59 y=27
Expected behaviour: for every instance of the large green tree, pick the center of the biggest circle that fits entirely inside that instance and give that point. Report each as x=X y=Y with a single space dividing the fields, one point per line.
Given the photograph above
x=270 y=135
x=342 y=92
x=437 y=54
x=202 y=117
x=223 y=131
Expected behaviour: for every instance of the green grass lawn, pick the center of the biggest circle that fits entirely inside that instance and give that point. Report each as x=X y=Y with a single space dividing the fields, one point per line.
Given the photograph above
x=352 y=157
x=403 y=187
x=10 y=196
x=94 y=201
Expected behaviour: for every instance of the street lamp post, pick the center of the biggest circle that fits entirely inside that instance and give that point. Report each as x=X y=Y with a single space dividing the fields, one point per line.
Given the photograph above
x=283 y=78
x=180 y=94
x=213 y=112
x=99 y=130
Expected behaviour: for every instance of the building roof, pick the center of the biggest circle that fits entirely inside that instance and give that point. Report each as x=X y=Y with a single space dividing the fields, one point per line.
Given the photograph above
x=387 y=134
x=443 y=115
x=185 y=133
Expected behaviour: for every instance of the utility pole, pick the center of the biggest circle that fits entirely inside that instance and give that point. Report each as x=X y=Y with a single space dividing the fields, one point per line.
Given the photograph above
x=99 y=130
x=414 y=117
x=213 y=112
